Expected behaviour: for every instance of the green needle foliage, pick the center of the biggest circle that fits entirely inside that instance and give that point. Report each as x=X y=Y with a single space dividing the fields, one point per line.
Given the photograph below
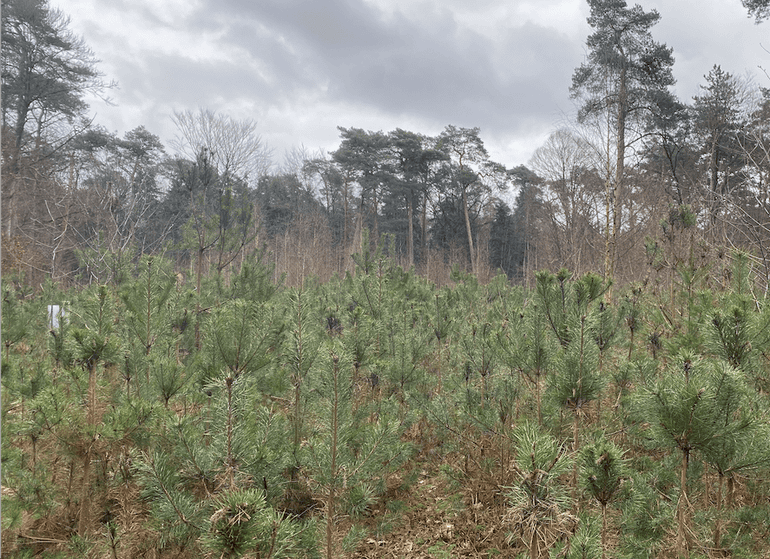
x=728 y=332
x=602 y=473
x=348 y=446
x=17 y=317
x=477 y=352
x=179 y=517
x=243 y=337
x=565 y=301
x=94 y=341
x=167 y=377
x=537 y=352
x=539 y=501
x=300 y=406
x=568 y=308
x=300 y=353
x=408 y=342
x=586 y=543
x=576 y=381
x=145 y=300
x=697 y=406
x=254 y=282
x=243 y=525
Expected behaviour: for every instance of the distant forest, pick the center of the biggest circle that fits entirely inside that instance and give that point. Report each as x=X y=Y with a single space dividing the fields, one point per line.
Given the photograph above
x=637 y=169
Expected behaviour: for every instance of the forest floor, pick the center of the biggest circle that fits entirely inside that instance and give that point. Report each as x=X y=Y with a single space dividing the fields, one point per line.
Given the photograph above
x=439 y=506
x=435 y=519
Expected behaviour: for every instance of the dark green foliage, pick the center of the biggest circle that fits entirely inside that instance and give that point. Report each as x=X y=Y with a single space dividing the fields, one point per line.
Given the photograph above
x=351 y=445
x=47 y=68
x=242 y=337
x=93 y=333
x=759 y=9
x=647 y=515
x=302 y=405
x=145 y=301
x=300 y=351
x=243 y=523
x=408 y=346
x=576 y=381
x=254 y=279
x=727 y=333
x=565 y=302
x=281 y=200
x=179 y=516
x=603 y=470
x=17 y=317
x=586 y=543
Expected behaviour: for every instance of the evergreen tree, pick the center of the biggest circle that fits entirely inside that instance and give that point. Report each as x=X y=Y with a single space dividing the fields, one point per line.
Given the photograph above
x=300 y=354
x=603 y=472
x=94 y=342
x=502 y=242
x=47 y=73
x=472 y=178
x=718 y=124
x=362 y=156
x=693 y=408
x=759 y=9
x=626 y=73
x=147 y=319
x=350 y=451
x=538 y=502
x=281 y=200
x=242 y=339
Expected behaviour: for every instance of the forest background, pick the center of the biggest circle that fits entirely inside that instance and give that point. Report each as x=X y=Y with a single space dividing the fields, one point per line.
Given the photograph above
x=382 y=304
x=591 y=198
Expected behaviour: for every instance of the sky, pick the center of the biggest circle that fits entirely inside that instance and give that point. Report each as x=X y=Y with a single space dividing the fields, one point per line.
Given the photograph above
x=301 y=68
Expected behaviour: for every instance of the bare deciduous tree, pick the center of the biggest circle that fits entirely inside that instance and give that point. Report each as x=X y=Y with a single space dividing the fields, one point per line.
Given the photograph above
x=234 y=146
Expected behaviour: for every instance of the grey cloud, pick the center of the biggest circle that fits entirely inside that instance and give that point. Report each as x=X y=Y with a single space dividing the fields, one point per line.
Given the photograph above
x=430 y=66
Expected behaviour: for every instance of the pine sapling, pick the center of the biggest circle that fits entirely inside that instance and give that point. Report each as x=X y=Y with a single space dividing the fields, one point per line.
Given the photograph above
x=603 y=472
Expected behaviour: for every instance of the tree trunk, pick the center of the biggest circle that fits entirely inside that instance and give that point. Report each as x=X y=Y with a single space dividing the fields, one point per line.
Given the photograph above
x=620 y=149
x=424 y=225
x=718 y=521
x=604 y=530
x=230 y=419
x=682 y=521
x=409 y=234
x=471 y=251
x=330 y=502
x=84 y=518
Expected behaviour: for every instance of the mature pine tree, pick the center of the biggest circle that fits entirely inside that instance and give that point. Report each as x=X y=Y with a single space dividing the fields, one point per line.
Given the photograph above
x=718 y=123
x=626 y=73
x=759 y=9
x=502 y=242
x=281 y=199
x=47 y=70
x=472 y=175
x=362 y=155
x=413 y=160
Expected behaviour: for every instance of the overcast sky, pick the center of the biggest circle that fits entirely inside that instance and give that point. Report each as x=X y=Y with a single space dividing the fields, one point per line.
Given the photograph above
x=300 y=68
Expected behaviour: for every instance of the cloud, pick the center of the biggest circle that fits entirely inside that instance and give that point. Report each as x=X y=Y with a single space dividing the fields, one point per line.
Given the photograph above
x=423 y=63
x=302 y=67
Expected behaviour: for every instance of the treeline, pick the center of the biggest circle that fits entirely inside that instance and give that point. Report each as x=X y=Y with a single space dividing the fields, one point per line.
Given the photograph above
x=122 y=197
x=638 y=167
